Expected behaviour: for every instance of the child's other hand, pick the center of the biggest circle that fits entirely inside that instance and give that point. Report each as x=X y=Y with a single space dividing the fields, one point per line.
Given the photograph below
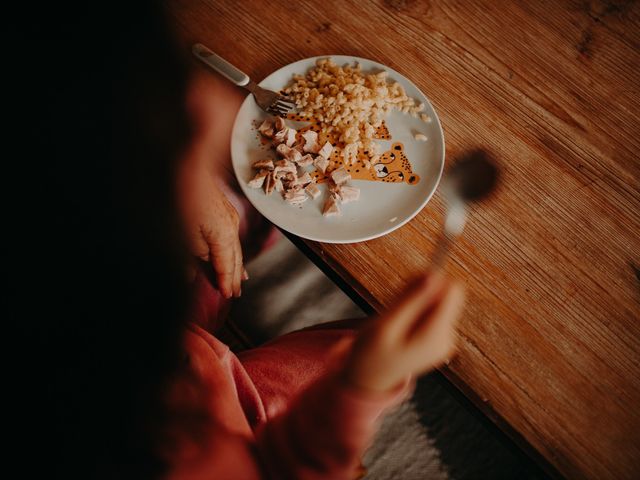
x=415 y=336
x=211 y=221
x=212 y=232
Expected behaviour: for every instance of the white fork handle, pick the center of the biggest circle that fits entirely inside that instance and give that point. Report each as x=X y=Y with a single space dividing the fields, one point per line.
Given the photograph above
x=220 y=65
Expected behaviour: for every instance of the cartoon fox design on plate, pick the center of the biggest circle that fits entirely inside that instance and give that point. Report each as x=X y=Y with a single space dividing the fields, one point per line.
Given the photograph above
x=393 y=167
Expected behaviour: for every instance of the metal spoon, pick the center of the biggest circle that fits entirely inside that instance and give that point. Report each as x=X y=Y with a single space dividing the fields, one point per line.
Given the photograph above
x=471 y=179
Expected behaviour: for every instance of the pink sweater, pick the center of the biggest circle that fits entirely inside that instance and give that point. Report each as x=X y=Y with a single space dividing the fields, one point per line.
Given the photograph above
x=279 y=411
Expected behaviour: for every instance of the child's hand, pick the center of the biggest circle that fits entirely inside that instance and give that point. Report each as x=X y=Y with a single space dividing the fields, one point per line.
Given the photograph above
x=413 y=337
x=212 y=231
x=211 y=221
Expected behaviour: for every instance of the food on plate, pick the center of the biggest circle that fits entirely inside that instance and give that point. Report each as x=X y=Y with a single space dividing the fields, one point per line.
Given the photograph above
x=345 y=108
x=393 y=167
x=305 y=161
x=310 y=142
x=420 y=137
x=331 y=208
x=289 y=153
x=322 y=163
x=326 y=150
x=295 y=197
x=286 y=136
x=269 y=183
x=267 y=129
x=259 y=179
x=340 y=176
x=303 y=179
x=266 y=163
x=312 y=190
x=349 y=104
x=288 y=175
x=347 y=193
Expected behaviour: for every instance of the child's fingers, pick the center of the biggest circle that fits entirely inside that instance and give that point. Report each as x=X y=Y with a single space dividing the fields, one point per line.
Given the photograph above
x=420 y=297
x=223 y=261
x=237 y=274
x=436 y=328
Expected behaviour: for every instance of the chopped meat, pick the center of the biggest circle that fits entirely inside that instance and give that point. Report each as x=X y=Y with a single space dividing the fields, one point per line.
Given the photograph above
x=348 y=194
x=282 y=170
x=312 y=190
x=289 y=153
x=258 y=180
x=270 y=183
x=279 y=124
x=321 y=163
x=305 y=161
x=310 y=141
x=266 y=163
x=326 y=150
x=283 y=149
x=266 y=128
x=298 y=149
x=290 y=137
x=289 y=179
x=304 y=179
x=331 y=207
x=286 y=135
x=295 y=197
x=350 y=153
x=340 y=176
x=283 y=163
x=279 y=137
x=294 y=155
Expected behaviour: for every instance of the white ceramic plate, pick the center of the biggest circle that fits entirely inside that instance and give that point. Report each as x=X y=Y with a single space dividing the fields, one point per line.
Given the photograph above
x=383 y=206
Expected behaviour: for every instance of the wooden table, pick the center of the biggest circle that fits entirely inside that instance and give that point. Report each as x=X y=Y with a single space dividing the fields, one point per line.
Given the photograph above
x=550 y=341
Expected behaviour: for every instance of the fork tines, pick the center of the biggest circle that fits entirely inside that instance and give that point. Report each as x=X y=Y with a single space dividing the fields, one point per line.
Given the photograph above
x=281 y=106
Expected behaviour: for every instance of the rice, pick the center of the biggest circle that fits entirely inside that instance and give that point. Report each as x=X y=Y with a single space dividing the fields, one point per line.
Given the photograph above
x=348 y=104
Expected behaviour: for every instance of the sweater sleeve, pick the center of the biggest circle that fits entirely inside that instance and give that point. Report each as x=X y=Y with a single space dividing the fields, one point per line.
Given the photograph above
x=320 y=434
x=325 y=431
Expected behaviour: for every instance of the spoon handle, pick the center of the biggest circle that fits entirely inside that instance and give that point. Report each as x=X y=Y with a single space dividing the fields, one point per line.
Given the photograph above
x=454 y=222
x=440 y=254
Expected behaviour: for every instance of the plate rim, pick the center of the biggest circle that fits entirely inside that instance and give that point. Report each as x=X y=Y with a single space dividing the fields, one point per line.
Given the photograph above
x=359 y=239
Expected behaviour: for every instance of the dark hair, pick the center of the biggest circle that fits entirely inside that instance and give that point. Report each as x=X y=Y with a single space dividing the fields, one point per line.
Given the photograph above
x=110 y=130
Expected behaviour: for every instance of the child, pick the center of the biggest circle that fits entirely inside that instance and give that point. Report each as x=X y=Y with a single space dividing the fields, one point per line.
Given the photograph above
x=304 y=405
x=138 y=386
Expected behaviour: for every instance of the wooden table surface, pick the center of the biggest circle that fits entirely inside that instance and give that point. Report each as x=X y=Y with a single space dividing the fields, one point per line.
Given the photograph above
x=550 y=340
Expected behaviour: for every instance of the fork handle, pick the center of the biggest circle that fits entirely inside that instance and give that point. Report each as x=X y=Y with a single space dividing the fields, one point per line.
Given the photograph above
x=220 y=65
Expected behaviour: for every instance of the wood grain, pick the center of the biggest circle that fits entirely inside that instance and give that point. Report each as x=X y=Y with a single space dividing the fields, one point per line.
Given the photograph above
x=550 y=339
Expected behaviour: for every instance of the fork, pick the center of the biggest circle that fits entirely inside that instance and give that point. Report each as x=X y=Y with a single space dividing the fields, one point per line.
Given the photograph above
x=269 y=101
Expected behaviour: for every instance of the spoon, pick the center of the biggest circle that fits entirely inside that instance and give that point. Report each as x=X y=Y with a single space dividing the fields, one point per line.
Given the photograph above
x=471 y=179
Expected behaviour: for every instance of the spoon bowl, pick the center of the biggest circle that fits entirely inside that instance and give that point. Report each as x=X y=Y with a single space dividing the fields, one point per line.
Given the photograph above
x=472 y=178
